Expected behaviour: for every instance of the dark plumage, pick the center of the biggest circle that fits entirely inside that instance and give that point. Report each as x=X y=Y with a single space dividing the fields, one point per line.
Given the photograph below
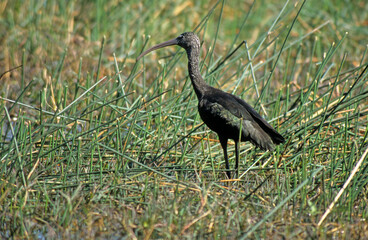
x=229 y=116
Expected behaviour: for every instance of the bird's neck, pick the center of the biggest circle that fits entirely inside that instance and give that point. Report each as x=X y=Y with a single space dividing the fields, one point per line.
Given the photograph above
x=199 y=84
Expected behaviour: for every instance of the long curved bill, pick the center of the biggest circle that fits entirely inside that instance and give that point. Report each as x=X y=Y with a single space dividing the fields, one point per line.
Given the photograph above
x=160 y=45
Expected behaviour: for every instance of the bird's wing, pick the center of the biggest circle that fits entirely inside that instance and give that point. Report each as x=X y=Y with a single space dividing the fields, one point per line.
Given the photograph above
x=253 y=125
x=276 y=137
x=229 y=122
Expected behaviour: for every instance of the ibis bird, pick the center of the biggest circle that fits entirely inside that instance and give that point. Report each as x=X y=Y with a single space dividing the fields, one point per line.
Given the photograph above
x=227 y=115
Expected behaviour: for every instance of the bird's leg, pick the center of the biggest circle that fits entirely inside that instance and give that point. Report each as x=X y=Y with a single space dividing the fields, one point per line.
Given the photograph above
x=223 y=142
x=237 y=159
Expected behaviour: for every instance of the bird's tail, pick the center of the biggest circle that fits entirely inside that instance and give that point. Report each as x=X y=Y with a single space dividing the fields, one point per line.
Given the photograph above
x=277 y=138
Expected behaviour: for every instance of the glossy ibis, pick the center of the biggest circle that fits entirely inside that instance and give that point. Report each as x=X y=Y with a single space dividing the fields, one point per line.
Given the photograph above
x=228 y=115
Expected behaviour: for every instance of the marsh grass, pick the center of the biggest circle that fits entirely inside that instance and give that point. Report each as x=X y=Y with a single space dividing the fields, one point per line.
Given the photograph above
x=96 y=145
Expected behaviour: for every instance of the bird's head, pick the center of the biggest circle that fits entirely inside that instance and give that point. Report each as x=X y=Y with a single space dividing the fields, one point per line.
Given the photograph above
x=187 y=40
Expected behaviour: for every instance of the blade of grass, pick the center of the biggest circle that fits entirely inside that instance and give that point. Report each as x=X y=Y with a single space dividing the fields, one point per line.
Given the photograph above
x=352 y=174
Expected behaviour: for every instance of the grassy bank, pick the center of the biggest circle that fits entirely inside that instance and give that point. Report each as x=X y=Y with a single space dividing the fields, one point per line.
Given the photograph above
x=96 y=145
